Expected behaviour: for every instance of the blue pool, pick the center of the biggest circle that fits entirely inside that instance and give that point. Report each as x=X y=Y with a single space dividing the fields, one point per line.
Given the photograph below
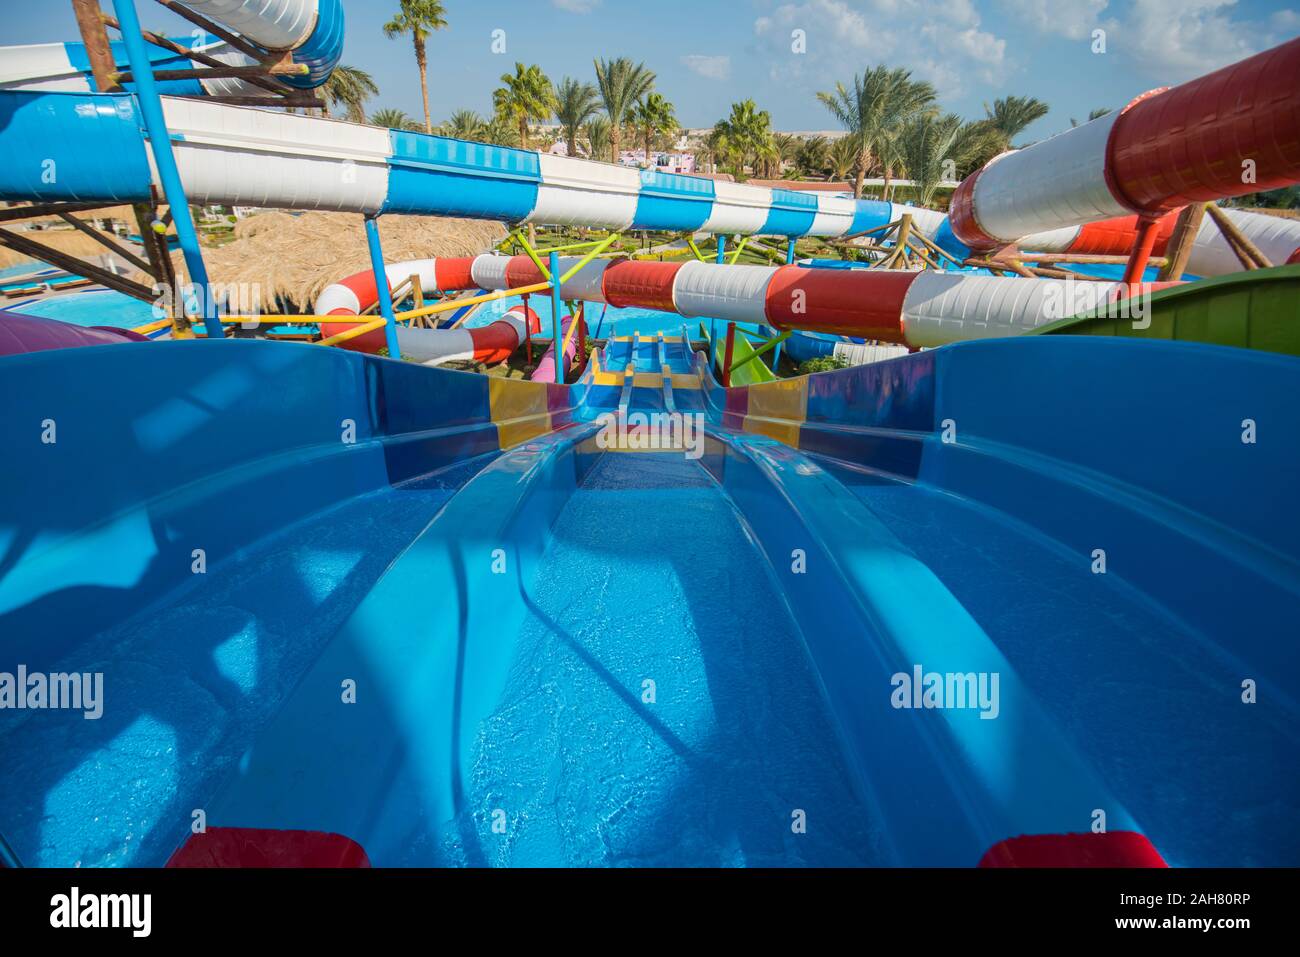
x=97 y=307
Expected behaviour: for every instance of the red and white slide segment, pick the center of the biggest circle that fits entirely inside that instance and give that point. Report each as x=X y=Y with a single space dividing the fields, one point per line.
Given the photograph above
x=1277 y=237
x=1229 y=133
x=491 y=344
x=917 y=309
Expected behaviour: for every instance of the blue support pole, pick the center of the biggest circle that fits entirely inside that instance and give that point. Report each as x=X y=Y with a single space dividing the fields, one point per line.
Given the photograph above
x=713 y=323
x=381 y=284
x=556 y=308
x=776 y=350
x=160 y=141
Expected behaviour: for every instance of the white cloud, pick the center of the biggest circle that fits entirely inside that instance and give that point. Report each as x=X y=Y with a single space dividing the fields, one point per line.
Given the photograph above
x=577 y=6
x=710 y=67
x=1286 y=22
x=939 y=40
x=1176 y=40
x=1169 y=41
x=1074 y=19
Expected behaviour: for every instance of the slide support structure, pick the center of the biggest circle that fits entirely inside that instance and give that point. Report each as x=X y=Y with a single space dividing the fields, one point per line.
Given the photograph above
x=556 y=308
x=160 y=141
x=381 y=286
x=713 y=323
x=1148 y=230
x=728 y=354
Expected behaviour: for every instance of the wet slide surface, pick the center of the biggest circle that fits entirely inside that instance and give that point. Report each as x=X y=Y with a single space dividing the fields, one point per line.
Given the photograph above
x=649 y=576
x=192 y=678
x=1149 y=702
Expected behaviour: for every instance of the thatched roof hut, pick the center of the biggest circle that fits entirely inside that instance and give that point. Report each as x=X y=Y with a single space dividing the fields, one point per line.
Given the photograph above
x=291 y=257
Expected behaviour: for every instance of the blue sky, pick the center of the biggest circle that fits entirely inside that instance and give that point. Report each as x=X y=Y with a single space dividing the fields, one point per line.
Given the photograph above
x=709 y=53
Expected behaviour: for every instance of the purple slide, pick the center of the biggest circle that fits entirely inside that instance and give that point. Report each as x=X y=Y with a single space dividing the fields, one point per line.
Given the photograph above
x=21 y=333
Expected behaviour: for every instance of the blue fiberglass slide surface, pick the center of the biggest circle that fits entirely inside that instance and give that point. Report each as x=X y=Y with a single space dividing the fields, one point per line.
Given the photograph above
x=503 y=719
x=101 y=793
x=649 y=576
x=1146 y=700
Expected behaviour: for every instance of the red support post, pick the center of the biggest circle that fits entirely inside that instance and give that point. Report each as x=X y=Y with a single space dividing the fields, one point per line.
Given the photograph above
x=1148 y=230
x=726 y=355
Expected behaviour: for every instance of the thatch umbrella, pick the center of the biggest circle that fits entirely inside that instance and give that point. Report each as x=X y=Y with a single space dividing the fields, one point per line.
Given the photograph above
x=291 y=258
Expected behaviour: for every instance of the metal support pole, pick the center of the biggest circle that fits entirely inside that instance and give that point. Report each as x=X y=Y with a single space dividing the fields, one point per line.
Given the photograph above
x=381 y=284
x=161 y=145
x=556 y=308
x=776 y=352
x=713 y=323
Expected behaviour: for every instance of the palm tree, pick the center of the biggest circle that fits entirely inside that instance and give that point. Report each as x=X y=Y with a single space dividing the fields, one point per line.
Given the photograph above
x=597 y=133
x=881 y=100
x=418 y=18
x=501 y=131
x=1009 y=117
x=527 y=95
x=654 y=115
x=813 y=156
x=464 y=125
x=745 y=135
x=575 y=104
x=932 y=147
x=787 y=150
x=1092 y=115
x=842 y=157
x=394 y=120
x=621 y=84
x=349 y=87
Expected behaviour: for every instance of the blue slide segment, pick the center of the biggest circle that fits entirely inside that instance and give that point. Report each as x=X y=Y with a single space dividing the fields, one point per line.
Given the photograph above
x=460 y=178
x=970 y=556
x=323 y=49
x=60 y=146
x=431 y=175
x=160 y=58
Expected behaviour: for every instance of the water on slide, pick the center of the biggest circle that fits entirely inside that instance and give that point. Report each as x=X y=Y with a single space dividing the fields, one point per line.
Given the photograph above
x=728 y=758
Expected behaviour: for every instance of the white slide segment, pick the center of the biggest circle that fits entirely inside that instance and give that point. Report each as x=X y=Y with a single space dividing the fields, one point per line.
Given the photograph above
x=251 y=157
x=274 y=24
x=949 y=307
x=1009 y=196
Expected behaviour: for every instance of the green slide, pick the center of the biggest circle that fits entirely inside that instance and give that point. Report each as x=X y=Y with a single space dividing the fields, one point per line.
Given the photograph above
x=1250 y=310
x=755 y=370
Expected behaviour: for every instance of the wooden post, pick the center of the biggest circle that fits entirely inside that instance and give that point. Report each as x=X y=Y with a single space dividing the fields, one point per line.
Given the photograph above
x=90 y=21
x=1181 y=242
x=1237 y=238
x=417 y=294
x=900 y=241
x=107 y=243
x=72 y=264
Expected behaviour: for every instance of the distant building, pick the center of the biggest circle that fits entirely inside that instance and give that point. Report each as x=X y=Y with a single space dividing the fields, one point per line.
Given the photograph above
x=664 y=162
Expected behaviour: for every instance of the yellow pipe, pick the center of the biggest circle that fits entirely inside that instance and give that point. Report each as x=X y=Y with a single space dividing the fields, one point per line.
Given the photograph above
x=600 y=248
x=570 y=246
x=353 y=333
x=740 y=247
x=532 y=254
x=471 y=301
